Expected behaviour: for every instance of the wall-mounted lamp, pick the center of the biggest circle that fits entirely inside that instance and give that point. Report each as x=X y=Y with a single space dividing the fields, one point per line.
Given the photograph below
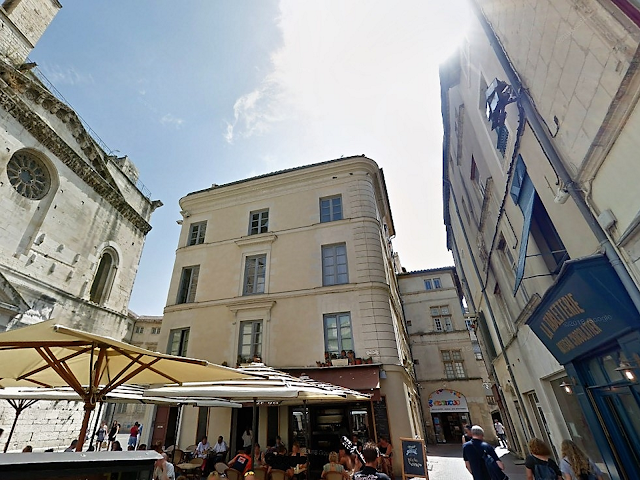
x=568 y=387
x=627 y=370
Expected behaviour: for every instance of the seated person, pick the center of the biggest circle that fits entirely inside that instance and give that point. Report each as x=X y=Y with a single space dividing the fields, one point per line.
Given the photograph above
x=203 y=448
x=295 y=452
x=344 y=459
x=258 y=457
x=386 y=455
x=280 y=461
x=220 y=449
x=334 y=466
x=241 y=462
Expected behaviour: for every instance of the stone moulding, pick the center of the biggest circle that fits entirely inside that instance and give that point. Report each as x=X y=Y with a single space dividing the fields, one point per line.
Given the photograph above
x=15 y=85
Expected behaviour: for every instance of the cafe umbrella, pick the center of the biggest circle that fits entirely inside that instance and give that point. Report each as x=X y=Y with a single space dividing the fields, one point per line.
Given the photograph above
x=50 y=355
x=22 y=398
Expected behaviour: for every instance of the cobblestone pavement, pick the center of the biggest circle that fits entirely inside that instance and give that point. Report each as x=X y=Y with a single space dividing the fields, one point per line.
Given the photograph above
x=445 y=463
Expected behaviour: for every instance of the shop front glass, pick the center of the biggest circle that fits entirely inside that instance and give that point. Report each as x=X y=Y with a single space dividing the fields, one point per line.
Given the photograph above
x=576 y=422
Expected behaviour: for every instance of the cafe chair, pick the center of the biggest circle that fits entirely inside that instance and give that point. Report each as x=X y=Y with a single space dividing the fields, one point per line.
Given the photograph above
x=176 y=456
x=333 y=476
x=233 y=474
x=260 y=473
x=196 y=472
x=278 y=475
x=220 y=467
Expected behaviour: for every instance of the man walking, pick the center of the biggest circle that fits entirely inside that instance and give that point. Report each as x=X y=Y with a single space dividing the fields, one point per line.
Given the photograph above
x=500 y=432
x=369 y=472
x=480 y=458
x=133 y=436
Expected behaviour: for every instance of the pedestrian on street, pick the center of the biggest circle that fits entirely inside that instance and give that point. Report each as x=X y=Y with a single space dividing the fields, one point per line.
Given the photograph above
x=575 y=464
x=500 y=432
x=480 y=458
x=538 y=463
x=369 y=472
x=133 y=435
x=466 y=436
x=102 y=433
x=115 y=428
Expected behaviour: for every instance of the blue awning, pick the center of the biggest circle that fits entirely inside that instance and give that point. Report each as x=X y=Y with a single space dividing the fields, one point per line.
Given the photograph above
x=586 y=307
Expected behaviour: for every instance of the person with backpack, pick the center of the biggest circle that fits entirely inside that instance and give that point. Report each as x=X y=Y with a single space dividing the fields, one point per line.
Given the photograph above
x=575 y=464
x=539 y=464
x=480 y=458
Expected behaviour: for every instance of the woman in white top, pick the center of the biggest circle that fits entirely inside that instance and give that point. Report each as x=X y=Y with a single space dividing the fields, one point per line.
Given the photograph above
x=575 y=463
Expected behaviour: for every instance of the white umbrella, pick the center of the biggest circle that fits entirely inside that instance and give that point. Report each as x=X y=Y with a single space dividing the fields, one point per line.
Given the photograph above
x=50 y=355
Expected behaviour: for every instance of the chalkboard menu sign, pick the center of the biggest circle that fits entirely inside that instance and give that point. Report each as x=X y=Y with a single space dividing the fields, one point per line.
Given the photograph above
x=381 y=419
x=414 y=458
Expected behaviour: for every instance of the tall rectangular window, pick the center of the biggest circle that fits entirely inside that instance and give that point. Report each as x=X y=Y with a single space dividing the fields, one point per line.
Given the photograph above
x=178 y=342
x=437 y=283
x=196 y=233
x=428 y=284
x=188 y=284
x=250 y=345
x=337 y=333
x=453 y=364
x=334 y=264
x=255 y=268
x=259 y=222
x=441 y=319
x=331 y=209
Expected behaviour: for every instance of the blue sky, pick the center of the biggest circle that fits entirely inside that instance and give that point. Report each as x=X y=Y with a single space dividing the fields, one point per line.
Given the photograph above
x=203 y=92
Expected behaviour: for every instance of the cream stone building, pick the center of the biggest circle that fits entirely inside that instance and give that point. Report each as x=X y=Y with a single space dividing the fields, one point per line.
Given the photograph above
x=541 y=208
x=145 y=331
x=296 y=268
x=73 y=216
x=451 y=375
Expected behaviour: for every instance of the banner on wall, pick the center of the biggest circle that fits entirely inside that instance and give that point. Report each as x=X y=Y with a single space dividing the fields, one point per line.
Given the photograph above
x=445 y=400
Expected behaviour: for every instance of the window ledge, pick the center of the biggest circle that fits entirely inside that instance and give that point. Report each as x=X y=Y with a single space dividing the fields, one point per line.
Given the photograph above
x=256 y=239
x=254 y=304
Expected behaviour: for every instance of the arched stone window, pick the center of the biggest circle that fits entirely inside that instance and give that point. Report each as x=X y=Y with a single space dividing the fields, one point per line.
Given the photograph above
x=105 y=275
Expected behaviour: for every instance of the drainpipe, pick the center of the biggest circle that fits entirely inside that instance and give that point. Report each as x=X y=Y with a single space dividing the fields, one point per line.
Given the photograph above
x=544 y=138
x=503 y=350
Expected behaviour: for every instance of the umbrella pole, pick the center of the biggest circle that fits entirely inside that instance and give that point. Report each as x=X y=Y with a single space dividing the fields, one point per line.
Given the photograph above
x=254 y=426
x=88 y=408
x=18 y=408
x=306 y=430
x=95 y=426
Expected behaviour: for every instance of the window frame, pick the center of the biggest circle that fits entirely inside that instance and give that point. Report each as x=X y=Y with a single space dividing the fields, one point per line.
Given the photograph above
x=453 y=363
x=187 y=288
x=200 y=230
x=105 y=277
x=260 y=217
x=155 y=330
x=255 y=348
x=256 y=275
x=339 y=338
x=428 y=284
x=183 y=343
x=335 y=267
x=331 y=209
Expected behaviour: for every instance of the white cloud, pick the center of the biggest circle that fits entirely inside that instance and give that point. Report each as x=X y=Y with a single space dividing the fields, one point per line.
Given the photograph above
x=59 y=75
x=171 y=120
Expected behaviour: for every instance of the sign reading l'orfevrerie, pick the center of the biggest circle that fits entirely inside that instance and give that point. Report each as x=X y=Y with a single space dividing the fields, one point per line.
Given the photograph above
x=586 y=307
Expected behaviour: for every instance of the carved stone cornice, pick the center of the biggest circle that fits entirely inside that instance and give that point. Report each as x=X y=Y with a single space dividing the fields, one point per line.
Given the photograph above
x=13 y=85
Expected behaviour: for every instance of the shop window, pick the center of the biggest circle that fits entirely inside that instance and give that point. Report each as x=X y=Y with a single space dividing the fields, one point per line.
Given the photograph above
x=334 y=264
x=259 y=222
x=338 y=335
x=250 y=346
x=188 y=284
x=331 y=209
x=178 y=342
x=197 y=232
x=255 y=269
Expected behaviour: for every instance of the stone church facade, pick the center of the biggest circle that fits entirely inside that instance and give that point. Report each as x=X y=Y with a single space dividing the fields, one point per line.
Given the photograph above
x=73 y=219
